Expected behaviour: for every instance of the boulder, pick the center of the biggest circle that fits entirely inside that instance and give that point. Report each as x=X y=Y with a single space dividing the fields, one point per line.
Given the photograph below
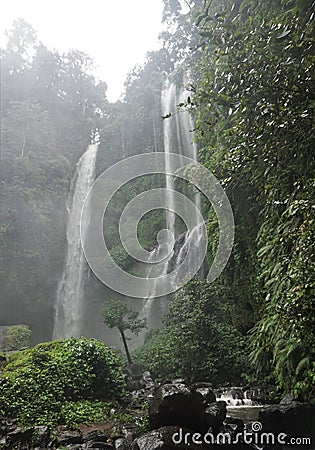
x=176 y=404
x=147 y=379
x=237 y=393
x=168 y=438
x=41 y=436
x=288 y=398
x=296 y=419
x=265 y=395
x=215 y=415
x=122 y=444
x=205 y=389
x=137 y=378
x=134 y=371
x=95 y=435
x=69 y=437
x=19 y=435
x=97 y=445
x=236 y=424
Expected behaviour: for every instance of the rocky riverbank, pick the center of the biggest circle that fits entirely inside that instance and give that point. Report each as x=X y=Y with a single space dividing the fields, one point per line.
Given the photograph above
x=178 y=417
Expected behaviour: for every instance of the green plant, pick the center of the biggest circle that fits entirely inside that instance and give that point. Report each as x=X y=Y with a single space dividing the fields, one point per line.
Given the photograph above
x=197 y=342
x=59 y=382
x=116 y=314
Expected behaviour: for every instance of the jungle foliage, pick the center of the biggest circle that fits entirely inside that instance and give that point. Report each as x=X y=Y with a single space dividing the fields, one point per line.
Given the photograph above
x=198 y=340
x=252 y=70
x=61 y=382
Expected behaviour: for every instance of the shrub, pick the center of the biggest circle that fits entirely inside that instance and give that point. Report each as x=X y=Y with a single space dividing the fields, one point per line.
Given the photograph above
x=198 y=341
x=39 y=383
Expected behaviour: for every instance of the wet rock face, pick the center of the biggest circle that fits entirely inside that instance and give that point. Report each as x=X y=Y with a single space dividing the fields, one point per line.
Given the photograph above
x=215 y=415
x=205 y=389
x=176 y=404
x=294 y=418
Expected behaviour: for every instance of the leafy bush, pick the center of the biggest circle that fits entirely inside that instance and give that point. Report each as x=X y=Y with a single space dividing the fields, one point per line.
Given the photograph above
x=41 y=384
x=156 y=354
x=198 y=341
x=15 y=337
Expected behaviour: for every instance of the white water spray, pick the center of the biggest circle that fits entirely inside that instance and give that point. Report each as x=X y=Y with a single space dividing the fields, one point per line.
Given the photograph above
x=178 y=138
x=70 y=291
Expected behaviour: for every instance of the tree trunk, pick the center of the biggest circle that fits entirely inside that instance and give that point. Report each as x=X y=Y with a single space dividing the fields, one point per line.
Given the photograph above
x=126 y=346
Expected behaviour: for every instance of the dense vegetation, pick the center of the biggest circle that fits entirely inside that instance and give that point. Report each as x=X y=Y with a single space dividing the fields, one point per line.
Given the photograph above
x=61 y=382
x=198 y=341
x=252 y=67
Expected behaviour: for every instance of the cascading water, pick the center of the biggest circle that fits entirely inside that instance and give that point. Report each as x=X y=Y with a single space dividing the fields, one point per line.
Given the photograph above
x=68 y=306
x=177 y=138
x=240 y=403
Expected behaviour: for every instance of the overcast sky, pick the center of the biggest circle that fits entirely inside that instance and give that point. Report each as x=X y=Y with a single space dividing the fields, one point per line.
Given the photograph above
x=116 y=33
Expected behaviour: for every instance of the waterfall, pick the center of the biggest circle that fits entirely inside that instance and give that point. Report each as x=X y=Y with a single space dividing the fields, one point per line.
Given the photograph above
x=69 y=299
x=177 y=138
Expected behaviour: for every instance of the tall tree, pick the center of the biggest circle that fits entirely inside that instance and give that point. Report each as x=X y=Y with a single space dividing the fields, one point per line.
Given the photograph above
x=116 y=314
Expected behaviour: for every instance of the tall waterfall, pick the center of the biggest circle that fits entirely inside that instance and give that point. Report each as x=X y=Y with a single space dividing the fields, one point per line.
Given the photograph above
x=68 y=306
x=177 y=137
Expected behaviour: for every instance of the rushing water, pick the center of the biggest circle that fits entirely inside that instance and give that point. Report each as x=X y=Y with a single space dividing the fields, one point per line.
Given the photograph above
x=69 y=300
x=239 y=403
x=178 y=138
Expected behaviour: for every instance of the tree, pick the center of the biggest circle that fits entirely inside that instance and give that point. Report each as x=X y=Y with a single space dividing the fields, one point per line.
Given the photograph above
x=117 y=315
x=198 y=340
x=254 y=119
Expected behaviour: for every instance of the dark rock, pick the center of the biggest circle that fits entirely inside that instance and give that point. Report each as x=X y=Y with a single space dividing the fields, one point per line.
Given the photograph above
x=122 y=444
x=264 y=395
x=294 y=418
x=142 y=393
x=162 y=439
x=98 y=445
x=134 y=385
x=178 y=381
x=207 y=393
x=20 y=435
x=176 y=404
x=76 y=447
x=69 y=437
x=236 y=424
x=237 y=393
x=136 y=378
x=286 y=399
x=215 y=415
x=95 y=435
x=41 y=436
x=134 y=371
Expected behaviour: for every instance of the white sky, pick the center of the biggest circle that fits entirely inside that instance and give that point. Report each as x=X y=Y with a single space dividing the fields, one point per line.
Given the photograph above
x=117 y=34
